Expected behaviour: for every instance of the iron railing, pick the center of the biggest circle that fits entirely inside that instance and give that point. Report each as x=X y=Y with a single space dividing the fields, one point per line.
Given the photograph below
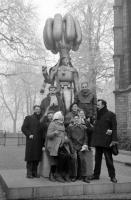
x=7 y=138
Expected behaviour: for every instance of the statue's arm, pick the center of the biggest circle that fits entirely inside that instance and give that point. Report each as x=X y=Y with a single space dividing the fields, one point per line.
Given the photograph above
x=76 y=82
x=45 y=74
x=53 y=72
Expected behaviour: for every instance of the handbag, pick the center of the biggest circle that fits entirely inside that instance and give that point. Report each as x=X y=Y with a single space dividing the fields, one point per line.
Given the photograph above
x=115 y=150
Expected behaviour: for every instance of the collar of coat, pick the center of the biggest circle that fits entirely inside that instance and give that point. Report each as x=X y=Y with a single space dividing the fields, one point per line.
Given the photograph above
x=101 y=112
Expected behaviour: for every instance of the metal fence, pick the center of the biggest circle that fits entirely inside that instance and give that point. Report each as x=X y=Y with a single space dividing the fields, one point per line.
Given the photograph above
x=2 y=137
x=7 y=138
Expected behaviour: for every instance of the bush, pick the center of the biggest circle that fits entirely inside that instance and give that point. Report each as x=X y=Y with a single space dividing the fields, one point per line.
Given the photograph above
x=124 y=142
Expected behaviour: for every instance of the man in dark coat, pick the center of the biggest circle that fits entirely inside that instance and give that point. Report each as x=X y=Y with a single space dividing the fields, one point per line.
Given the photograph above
x=33 y=131
x=104 y=137
x=53 y=102
x=86 y=100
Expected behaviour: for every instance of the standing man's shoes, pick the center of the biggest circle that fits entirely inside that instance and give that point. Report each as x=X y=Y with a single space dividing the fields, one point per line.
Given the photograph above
x=52 y=177
x=60 y=179
x=36 y=176
x=67 y=179
x=114 y=180
x=85 y=179
x=93 y=177
x=73 y=179
x=29 y=176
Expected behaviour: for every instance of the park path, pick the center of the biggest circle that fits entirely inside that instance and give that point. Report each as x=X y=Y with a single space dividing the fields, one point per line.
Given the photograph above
x=12 y=157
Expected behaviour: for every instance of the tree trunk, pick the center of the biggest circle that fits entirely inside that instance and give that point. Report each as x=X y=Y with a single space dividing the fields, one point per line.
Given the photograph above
x=14 y=126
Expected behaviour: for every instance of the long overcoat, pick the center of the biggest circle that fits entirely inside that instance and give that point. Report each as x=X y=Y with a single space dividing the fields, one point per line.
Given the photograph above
x=55 y=141
x=105 y=120
x=32 y=126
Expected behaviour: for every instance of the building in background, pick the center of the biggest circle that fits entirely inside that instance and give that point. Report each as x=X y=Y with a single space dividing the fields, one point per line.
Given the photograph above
x=122 y=63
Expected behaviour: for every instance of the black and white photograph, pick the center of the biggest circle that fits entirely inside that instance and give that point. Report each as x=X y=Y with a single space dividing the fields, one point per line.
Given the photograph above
x=65 y=99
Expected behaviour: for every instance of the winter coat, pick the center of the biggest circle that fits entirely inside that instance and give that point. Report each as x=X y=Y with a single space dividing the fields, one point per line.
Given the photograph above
x=86 y=100
x=105 y=120
x=53 y=141
x=77 y=135
x=69 y=117
x=31 y=126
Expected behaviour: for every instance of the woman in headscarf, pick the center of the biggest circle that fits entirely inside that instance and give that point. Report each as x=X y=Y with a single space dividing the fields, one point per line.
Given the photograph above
x=56 y=138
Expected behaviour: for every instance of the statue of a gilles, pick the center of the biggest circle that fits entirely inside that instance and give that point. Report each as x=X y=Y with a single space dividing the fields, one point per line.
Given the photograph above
x=61 y=35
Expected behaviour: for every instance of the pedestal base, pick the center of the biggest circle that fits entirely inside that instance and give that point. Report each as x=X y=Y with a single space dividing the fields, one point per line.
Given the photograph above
x=44 y=165
x=89 y=156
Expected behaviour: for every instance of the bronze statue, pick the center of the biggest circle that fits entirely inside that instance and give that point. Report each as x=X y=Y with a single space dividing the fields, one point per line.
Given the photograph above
x=62 y=35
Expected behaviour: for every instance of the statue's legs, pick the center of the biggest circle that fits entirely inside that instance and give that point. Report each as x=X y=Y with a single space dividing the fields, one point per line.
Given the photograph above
x=68 y=95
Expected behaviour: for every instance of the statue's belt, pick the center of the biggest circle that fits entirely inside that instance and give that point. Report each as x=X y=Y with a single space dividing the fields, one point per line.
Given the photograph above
x=65 y=84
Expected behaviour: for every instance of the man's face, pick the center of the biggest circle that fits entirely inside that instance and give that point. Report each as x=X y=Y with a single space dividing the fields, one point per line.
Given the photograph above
x=99 y=105
x=37 y=110
x=50 y=116
x=84 y=86
x=52 y=90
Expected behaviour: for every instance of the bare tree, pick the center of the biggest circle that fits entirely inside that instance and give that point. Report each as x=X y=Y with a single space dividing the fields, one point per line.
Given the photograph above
x=94 y=58
x=12 y=104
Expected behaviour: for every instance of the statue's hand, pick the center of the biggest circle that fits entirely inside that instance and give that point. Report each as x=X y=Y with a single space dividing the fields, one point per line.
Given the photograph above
x=44 y=70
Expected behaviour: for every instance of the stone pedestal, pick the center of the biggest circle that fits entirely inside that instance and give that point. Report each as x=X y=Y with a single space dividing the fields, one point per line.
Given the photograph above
x=89 y=156
x=44 y=166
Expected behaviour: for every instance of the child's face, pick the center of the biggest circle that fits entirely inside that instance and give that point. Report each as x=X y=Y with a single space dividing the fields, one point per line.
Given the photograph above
x=76 y=119
x=82 y=114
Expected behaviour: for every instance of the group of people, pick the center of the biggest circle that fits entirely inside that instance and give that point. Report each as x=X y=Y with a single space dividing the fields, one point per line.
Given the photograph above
x=68 y=137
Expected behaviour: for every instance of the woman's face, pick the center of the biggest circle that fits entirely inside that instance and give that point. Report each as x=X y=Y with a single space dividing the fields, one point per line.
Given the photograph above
x=74 y=107
x=60 y=120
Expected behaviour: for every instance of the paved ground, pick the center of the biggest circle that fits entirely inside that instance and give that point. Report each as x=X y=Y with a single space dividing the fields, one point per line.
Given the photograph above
x=12 y=157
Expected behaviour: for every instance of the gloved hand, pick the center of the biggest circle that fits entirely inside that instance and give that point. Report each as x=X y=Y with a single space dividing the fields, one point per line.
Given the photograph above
x=113 y=143
x=31 y=136
x=109 y=132
x=84 y=148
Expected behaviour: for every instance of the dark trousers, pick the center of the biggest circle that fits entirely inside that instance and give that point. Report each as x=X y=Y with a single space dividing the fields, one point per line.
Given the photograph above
x=79 y=164
x=64 y=165
x=32 y=167
x=109 y=161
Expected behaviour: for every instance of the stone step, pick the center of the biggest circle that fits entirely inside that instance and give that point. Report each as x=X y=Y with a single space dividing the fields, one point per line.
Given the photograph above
x=98 y=197
x=19 y=187
x=2 y=193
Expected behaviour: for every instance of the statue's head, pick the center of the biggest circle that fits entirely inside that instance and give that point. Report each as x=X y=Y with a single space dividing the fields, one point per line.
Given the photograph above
x=84 y=85
x=52 y=90
x=66 y=60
